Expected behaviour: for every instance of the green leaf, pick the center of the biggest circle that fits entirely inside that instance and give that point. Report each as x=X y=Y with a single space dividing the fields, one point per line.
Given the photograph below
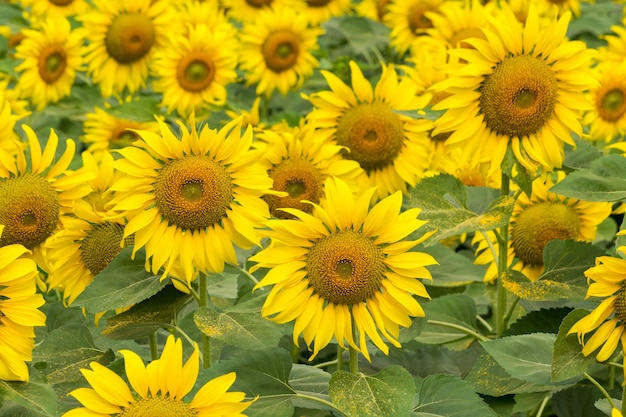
x=146 y=317
x=387 y=394
x=442 y=199
x=577 y=402
x=605 y=180
x=447 y=395
x=582 y=157
x=309 y=382
x=124 y=282
x=545 y=320
x=243 y=329
x=65 y=351
x=527 y=356
x=36 y=396
x=454 y=269
x=458 y=309
x=517 y=172
x=568 y=360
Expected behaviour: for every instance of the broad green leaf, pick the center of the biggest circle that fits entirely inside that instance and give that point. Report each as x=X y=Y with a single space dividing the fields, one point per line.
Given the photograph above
x=568 y=361
x=545 y=320
x=454 y=269
x=577 y=402
x=243 y=329
x=446 y=395
x=489 y=378
x=35 y=398
x=605 y=180
x=527 y=356
x=595 y=19
x=389 y=393
x=146 y=317
x=458 y=309
x=309 y=383
x=582 y=157
x=442 y=199
x=122 y=283
x=65 y=351
x=603 y=405
x=224 y=284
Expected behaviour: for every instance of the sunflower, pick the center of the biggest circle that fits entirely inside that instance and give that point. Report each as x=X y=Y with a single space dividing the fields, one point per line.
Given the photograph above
x=9 y=140
x=18 y=311
x=46 y=8
x=455 y=22
x=202 y=193
x=389 y=146
x=372 y=9
x=345 y=263
x=194 y=70
x=102 y=130
x=521 y=86
x=408 y=20
x=608 y=320
x=276 y=50
x=34 y=194
x=50 y=58
x=607 y=121
x=159 y=388
x=426 y=64
x=319 y=11
x=615 y=50
x=558 y=7
x=299 y=163
x=537 y=220
x=122 y=38
x=246 y=10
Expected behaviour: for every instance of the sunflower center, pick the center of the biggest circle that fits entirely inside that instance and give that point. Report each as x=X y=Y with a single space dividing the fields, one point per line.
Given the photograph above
x=373 y=133
x=518 y=97
x=193 y=193
x=258 y=3
x=620 y=304
x=281 y=50
x=101 y=245
x=52 y=63
x=130 y=37
x=29 y=209
x=539 y=224
x=158 y=407
x=301 y=180
x=61 y=2
x=345 y=267
x=612 y=104
x=317 y=3
x=195 y=71
x=417 y=18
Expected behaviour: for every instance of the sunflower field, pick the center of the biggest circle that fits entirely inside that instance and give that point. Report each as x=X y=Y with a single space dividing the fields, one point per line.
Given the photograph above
x=312 y=208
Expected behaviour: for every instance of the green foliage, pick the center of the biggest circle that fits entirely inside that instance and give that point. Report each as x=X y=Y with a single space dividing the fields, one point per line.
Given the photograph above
x=604 y=180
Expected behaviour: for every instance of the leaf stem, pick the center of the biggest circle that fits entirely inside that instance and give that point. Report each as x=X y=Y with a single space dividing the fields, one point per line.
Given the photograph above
x=543 y=404
x=510 y=311
x=601 y=388
x=203 y=301
x=321 y=401
x=245 y=273
x=465 y=330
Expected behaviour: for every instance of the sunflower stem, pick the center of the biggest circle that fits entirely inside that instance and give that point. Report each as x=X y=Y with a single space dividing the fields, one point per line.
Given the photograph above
x=503 y=250
x=295 y=352
x=602 y=390
x=203 y=301
x=354 y=360
x=623 y=409
x=509 y=313
x=154 y=348
x=339 y=358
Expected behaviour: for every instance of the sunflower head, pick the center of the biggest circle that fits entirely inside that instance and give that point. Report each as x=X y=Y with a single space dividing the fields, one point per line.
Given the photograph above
x=130 y=37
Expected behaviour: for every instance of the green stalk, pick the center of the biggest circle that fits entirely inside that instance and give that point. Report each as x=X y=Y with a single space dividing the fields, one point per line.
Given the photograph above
x=154 y=348
x=503 y=243
x=203 y=301
x=354 y=358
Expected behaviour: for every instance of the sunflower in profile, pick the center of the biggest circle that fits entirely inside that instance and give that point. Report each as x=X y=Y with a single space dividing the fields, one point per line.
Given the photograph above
x=246 y=10
x=607 y=120
x=408 y=21
x=193 y=71
x=299 y=163
x=319 y=11
x=345 y=263
x=50 y=59
x=46 y=8
x=102 y=130
x=538 y=219
x=389 y=146
x=35 y=193
x=524 y=86
x=276 y=50
x=19 y=301
x=157 y=389
x=607 y=321
x=201 y=192
x=122 y=38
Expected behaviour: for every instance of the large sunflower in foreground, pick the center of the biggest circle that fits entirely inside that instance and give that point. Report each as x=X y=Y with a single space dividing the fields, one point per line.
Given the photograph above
x=201 y=193
x=345 y=265
x=158 y=389
x=18 y=311
x=607 y=321
x=391 y=147
x=193 y=71
x=276 y=50
x=522 y=86
x=299 y=163
x=122 y=37
x=50 y=58
x=537 y=220
x=34 y=194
